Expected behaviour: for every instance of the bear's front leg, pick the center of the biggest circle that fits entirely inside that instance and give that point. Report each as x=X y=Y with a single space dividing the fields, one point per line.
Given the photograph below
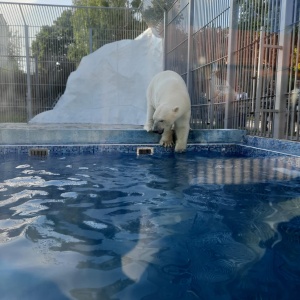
x=167 y=139
x=149 y=122
x=182 y=134
x=148 y=126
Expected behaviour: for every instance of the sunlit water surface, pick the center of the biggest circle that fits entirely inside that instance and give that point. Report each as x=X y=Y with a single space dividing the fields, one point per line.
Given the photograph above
x=121 y=226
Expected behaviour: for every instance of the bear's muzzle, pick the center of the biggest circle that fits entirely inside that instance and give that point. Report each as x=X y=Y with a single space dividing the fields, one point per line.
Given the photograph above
x=159 y=131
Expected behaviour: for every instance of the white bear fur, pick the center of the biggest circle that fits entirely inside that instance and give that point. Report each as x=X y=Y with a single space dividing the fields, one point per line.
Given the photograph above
x=169 y=107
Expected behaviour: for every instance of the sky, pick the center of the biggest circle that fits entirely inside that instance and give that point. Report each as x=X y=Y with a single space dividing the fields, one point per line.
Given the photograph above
x=54 y=2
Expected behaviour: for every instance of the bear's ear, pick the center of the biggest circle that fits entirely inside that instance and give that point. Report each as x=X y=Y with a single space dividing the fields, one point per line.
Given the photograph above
x=175 y=109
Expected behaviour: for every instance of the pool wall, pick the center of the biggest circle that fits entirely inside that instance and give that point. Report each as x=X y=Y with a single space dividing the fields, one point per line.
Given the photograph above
x=272 y=145
x=80 y=139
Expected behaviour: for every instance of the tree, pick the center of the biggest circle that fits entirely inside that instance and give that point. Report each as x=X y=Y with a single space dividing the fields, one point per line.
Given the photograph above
x=50 y=52
x=52 y=42
x=11 y=76
x=103 y=24
x=155 y=12
x=102 y=3
x=136 y=3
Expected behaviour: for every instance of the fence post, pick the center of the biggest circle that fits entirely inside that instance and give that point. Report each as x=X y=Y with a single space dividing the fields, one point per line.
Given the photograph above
x=165 y=40
x=231 y=63
x=190 y=47
x=91 y=39
x=29 y=93
x=212 y=95
x=286 y=12
x=257 y=116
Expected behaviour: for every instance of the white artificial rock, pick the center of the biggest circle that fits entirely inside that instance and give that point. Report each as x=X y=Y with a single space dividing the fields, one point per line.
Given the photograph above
x=109 y=85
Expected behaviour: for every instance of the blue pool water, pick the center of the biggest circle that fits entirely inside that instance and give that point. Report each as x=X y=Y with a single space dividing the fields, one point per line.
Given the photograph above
x=121 y=226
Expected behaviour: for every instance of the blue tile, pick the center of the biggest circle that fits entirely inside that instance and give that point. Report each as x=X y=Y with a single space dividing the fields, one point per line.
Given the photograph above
x=249 y=146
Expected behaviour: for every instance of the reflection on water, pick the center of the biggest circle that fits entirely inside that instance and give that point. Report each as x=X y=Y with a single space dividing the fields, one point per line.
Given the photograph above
x=149 y=227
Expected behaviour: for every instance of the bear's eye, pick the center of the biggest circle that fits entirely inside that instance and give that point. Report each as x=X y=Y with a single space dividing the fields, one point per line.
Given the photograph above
x=161 y=121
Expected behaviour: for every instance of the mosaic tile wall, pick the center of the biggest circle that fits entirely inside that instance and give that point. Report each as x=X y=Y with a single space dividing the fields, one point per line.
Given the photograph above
x=230 y=149
x=287 y=147
x=249 y=147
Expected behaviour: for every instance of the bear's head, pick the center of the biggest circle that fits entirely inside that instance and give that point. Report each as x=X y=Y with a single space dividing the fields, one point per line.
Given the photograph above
x=164 y=118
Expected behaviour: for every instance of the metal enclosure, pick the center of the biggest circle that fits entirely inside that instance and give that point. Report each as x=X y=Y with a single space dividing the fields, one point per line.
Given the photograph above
x=240 y=60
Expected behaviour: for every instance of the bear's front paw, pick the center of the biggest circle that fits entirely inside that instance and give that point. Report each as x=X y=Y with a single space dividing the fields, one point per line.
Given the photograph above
x=148 y=127
x=166 y=143
x=180 y=148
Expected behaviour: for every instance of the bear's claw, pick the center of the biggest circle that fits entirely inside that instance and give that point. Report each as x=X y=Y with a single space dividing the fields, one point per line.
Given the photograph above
x=167 y=143
x=147 y=128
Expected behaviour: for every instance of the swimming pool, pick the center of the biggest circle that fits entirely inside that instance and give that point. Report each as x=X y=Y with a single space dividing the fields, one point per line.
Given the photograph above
x=162 y=226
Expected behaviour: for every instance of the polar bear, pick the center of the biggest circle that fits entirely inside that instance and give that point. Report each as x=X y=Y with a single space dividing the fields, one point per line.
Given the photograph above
x=168 y=109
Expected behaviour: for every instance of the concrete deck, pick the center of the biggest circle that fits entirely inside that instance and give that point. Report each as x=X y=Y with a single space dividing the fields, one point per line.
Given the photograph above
x=78 y=134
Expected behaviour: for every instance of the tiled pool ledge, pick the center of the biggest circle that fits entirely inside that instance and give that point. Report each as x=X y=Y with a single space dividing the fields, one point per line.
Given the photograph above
x=90 y=138
x=79 y=134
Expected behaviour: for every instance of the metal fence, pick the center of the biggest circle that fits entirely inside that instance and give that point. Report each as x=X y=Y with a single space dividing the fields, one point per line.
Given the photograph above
x=240 y=59
x=40 y=45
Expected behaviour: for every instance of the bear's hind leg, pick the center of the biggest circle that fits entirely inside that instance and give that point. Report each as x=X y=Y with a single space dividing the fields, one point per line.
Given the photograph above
x=167 y=138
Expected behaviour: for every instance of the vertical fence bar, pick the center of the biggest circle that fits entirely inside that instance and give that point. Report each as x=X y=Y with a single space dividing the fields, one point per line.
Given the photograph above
x=190 y=46
x=286 y=12
x=28 y=94
x=231 y=63
x=293 y=119
x=165 y=39
x=91 y=39
x=212 y=94
x=259 y=79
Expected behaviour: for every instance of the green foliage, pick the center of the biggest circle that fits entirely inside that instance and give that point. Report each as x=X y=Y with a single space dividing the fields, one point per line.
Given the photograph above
x=102 y=3
x=257 y=11
x=135 y=3
x=53 y=42
x=11 y=76
x=50 y=52
x=155 y=10
x=105 y=24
